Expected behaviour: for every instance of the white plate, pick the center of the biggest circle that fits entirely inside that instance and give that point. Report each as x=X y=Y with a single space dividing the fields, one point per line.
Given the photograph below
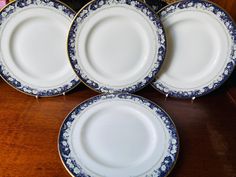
x=201 y=49
x=118 y=135
x=117 y=45
x=33 y=55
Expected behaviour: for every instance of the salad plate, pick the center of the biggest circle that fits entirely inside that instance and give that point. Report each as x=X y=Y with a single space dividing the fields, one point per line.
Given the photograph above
x=201 y=49
x=33 y=57
x=116 y=45
x=118 y=135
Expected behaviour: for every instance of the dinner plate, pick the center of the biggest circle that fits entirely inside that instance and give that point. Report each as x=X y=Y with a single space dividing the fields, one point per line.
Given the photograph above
x=116 y=45
x=33 y=57
x=118 y=135
x=201 y=49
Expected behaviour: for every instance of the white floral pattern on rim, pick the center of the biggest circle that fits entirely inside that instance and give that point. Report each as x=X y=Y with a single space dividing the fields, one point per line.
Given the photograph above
x=9 y=10
x=161 y=170
x=90 y=9
x=230 y=26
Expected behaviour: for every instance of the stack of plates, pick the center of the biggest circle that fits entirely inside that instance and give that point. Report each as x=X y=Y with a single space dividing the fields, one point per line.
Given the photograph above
x=117 y=47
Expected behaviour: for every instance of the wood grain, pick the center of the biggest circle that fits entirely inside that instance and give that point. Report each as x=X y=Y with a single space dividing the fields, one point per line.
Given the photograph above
x=29 y=129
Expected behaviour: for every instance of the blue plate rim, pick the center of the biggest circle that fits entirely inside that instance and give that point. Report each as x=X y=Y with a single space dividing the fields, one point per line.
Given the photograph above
x=76 y=170
x=84 y=13
x=231 y=28
x=21 y=86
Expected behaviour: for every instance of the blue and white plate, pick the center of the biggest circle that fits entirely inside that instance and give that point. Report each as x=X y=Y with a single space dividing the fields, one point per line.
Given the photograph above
x=116 y=45
x=33 y=57
x=118 y=135
x=201 y=49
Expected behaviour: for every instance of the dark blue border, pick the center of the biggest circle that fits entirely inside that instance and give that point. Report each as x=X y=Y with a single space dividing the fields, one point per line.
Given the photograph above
x=9 y=10
x=64 y=135
x=95 y=5
x=231 y=27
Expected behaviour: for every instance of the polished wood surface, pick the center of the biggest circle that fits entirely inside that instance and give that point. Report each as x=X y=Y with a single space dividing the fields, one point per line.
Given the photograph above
x=207 y=128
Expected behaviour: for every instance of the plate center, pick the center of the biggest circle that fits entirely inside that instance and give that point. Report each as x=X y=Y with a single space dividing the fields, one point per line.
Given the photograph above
x=33 y=42
x=116 y=46
x=33 y=46
x=186 y=57
x=118 y=138
x=196 y=44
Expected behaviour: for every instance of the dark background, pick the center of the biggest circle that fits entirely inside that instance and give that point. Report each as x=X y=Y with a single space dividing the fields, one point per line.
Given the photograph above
x=207 y=128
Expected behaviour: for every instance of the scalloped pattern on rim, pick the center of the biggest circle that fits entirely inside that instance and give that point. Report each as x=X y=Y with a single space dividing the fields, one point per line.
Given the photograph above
x=90 y=9
x=230 y=26
x=5 y=13
x=170 y=156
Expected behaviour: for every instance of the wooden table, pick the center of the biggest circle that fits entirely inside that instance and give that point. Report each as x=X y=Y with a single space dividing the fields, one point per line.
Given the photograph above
x=207 y=127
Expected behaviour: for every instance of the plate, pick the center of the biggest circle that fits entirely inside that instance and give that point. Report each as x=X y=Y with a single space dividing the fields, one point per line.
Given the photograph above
x=201 y=49
x=118 y=135
x=116 y=45
x=33 y=56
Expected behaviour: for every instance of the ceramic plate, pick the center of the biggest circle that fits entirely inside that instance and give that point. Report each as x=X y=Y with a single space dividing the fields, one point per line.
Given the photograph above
x=118 y=135
x=116 y=45
x=33 y=56
x=201 y=49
